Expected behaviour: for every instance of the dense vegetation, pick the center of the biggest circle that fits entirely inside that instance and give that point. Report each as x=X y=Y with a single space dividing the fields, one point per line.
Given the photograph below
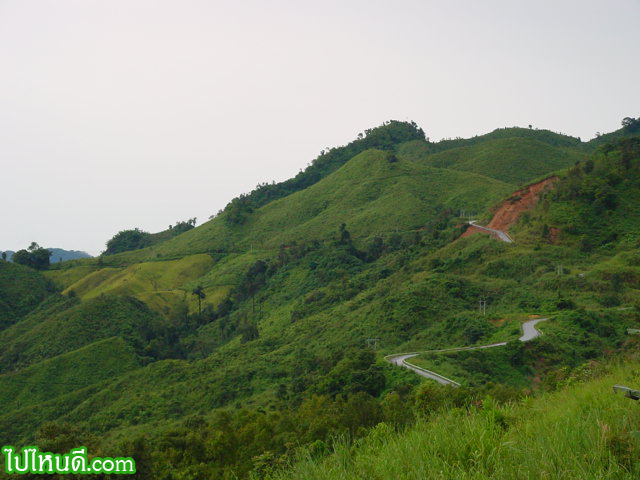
x=57 y=255
x=513 y=160
x=385 y=137
x=240 y=347
x=581 y=431
x=136 y=239
x=35 y=257
x=21 y=290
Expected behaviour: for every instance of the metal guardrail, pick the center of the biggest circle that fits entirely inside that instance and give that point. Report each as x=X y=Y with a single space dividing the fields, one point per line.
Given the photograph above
x=627 y=392
x=433 y=374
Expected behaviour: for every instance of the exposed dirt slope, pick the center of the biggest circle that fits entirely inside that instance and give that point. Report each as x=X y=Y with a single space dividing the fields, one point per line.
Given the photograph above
x=510 y=210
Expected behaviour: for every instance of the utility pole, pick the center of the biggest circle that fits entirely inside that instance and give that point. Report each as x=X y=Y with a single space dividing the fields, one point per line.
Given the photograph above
x=483 y=305
x=559 y=270
x=372 y=343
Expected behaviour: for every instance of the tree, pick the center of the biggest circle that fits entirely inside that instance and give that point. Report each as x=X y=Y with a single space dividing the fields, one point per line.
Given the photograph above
x=588 y=166
x=630 y=125
x=345 y=236
x=545 y=231
x=248 y=330
x=4 y=256
x=126 y=240
x=375 y=248
x=199 y=292
x=35 y=257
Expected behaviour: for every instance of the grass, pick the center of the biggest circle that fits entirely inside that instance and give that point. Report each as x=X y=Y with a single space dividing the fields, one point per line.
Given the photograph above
x=159 y=284
x=62 y=278
x=51 y=378
x=477 y=367
x=369 y=194
x=322 y=297
x=21 y=290
x=582 y=431
x=511 y=160
x=65 y=326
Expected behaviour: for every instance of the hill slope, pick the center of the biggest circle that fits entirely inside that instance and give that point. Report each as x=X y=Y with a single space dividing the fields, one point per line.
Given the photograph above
x=373 y=194
x=21 y=290
x=62 y=326
x=511 y=160
x=583 y=431
x=271 y=351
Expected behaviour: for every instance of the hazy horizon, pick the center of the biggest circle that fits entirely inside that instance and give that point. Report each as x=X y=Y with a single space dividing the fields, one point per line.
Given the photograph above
x=118 y=115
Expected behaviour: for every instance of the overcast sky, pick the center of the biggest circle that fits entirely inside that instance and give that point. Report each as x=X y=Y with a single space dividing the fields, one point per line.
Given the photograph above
x=138 y=113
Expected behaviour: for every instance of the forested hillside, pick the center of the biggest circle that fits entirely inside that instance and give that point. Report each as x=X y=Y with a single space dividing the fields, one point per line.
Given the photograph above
x=244 y=346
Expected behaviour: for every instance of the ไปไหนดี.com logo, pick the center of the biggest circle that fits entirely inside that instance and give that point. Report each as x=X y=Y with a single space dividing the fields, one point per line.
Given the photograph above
x=33 y=460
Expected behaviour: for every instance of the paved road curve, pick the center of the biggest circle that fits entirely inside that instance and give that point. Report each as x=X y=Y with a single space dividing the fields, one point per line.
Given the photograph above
x=401 y=361
x=504 y=236
x=529 y=332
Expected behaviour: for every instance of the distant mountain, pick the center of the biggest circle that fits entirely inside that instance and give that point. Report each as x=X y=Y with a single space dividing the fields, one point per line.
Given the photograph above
x=61 y=255
x=57 y=254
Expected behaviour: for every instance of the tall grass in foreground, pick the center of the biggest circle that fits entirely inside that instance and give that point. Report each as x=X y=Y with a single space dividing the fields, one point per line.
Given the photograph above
x=581 y=432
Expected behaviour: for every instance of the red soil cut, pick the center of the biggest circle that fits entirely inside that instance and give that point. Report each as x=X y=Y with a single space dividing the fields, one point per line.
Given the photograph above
x=507 y=213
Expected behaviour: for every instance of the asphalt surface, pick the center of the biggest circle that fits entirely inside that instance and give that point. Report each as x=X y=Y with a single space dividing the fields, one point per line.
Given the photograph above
x=529 y=332
x=499 y=233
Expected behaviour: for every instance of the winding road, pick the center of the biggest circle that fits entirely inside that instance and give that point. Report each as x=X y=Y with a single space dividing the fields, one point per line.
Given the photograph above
x=504 y=236
x=529 y=332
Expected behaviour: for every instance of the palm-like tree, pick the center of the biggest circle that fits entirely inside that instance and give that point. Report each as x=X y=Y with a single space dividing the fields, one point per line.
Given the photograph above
x=199 y=292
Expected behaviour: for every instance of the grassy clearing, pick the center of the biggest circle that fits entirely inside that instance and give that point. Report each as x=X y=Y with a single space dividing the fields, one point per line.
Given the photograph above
x=143 y=277
x=63 y=278
x=512 y=160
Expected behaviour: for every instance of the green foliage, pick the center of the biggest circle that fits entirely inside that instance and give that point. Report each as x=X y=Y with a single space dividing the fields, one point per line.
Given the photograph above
x=629 y=128
x=514 y=160
x=21 y=290
x=135 y=239
x=51 y=378
x=66 y=325
x=548 y=137
x=356 y=372
x=254 y=346
x=597 y=202
x=368 y=194
x=35 y=257
x=384 y=137
x=583 y=431
x=128 y=240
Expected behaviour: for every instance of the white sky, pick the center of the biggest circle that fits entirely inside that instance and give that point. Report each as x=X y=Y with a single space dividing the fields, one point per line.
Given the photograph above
x=117 y=114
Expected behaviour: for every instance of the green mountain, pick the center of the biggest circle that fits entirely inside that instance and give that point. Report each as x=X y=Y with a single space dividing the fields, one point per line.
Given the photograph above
x=237 y=346
x=514 y=160
x=61 y=255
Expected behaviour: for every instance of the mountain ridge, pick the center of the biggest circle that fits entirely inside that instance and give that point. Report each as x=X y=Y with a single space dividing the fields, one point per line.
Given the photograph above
x=260 y=322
